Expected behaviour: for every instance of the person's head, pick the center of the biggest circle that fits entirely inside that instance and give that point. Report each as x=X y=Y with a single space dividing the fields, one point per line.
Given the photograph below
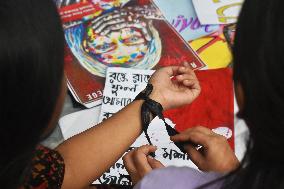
x=258 y=74
x=258 y=69
x=31 y=81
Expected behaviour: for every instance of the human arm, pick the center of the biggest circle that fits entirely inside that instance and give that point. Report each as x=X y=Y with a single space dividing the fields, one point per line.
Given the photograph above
x=88 y=155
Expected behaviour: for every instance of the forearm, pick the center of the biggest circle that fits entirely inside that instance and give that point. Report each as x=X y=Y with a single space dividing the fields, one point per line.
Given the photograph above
x=88 y=155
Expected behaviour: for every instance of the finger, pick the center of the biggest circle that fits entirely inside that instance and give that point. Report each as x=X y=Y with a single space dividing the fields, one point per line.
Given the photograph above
x=130 y=166
x=170 y=70
x=140 y=159
x=186 y=74
x=202 y=129
x=183 y=77
x=128 y=162
x=187 y=70
x=186 y=64
x=189 y=83
x=193 y=87
x=194 y=136
x=146 y=149
x=195 y=156
x=155 y=164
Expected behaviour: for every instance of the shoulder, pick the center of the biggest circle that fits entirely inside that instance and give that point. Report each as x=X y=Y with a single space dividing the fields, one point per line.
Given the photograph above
x=47 y=169
x=176 y=177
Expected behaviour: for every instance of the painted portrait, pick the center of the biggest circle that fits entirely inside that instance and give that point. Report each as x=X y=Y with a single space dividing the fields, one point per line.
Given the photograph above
x=116 y=33
x=124 y=37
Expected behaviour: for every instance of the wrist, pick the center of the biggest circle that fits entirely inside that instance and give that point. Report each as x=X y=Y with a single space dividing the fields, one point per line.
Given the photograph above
x=156 y=96
x=152 y=93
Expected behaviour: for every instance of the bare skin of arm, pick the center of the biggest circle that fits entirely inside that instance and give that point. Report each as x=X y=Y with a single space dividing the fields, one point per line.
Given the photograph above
x=88 y=155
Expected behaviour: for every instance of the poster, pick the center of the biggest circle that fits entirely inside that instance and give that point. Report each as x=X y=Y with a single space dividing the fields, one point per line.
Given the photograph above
x=116 y=33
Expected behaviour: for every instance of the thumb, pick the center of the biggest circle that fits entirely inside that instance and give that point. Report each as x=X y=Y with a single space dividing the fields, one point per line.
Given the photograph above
x=196 y=157
x=155 y=164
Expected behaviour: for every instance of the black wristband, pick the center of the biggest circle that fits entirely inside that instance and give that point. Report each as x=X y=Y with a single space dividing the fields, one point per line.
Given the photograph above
x=146 y=112
x=152 y=108
x=143 y=95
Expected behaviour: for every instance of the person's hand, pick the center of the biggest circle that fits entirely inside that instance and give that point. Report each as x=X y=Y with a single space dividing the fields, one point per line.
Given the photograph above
x=138 y=163
x=174 y=92
x=215 y=154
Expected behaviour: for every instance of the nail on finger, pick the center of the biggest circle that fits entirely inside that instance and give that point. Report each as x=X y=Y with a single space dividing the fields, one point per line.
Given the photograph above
x=186 y=64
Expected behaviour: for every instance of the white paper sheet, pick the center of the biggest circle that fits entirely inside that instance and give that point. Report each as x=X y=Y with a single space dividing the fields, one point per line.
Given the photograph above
x=121 y=87
x=217 y=11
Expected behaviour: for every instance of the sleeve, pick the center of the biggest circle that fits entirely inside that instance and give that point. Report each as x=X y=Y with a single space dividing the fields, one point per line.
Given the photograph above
x=47 y=170
x=178 y=177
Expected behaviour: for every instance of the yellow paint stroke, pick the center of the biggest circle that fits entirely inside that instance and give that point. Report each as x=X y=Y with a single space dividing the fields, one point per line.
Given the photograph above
x=222 y=17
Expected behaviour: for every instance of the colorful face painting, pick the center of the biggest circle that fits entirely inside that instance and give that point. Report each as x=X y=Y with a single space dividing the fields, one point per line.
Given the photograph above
x=122 y=37
x=125 y=46
x=116 y=33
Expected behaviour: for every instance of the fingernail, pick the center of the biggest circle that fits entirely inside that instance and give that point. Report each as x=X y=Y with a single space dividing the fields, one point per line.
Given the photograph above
x=186 y=64
x=186 y=81
x=150 y=157
x=180 y=76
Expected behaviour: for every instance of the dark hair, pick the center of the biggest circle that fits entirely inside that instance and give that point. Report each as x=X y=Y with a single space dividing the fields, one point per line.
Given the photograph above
x=31 y=73
x=259 y=69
